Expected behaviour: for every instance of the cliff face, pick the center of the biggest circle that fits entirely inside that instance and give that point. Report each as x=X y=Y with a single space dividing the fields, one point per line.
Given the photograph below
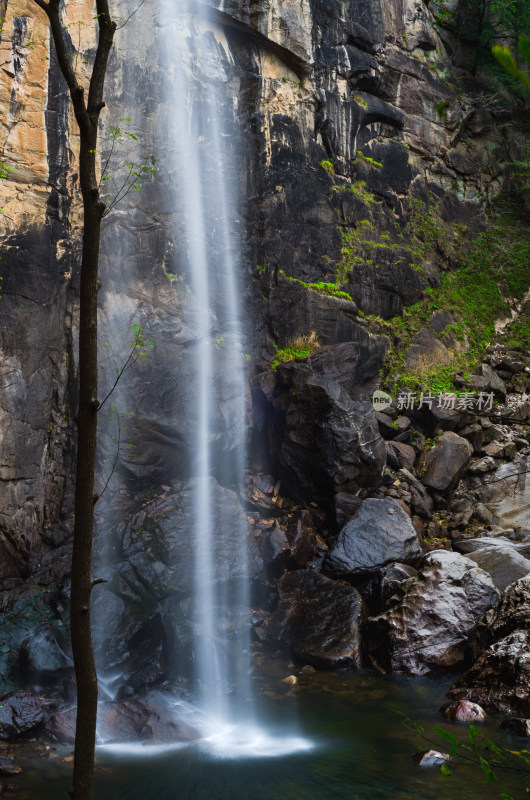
x=342 y=150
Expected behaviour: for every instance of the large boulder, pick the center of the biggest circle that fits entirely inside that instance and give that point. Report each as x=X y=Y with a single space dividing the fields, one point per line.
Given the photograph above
x=426 y=625
x=318 y=619
x=123 y=721
x=20 y=712
x=44 y=657
x=381 y=532
x=499 y=679
x=502 y=562
x=323 y=440
x=445 y=463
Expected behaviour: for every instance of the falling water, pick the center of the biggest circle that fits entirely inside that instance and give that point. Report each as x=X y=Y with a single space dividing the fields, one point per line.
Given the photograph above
x=203 y=171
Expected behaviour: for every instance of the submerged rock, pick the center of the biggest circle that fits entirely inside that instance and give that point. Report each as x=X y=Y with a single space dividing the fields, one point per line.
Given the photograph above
x=431 y=758
x=381 y=532
x=318 y=619
x=427 y=624
x=463 y=711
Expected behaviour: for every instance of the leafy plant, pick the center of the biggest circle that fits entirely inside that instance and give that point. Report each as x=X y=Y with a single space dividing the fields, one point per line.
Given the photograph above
x=301 y=347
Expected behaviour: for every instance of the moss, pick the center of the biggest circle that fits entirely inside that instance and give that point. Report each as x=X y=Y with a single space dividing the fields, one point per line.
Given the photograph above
x=368 y=160
x=328 y=167
x=323 y=287
x=301 y=347
x=358 y=99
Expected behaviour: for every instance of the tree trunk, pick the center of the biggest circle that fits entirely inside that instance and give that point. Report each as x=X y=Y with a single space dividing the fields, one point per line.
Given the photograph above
x=87 y=117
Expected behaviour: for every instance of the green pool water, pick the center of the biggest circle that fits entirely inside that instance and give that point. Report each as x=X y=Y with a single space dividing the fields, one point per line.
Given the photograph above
x=358 y=749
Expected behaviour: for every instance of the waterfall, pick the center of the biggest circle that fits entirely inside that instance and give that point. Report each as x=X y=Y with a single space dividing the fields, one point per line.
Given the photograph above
x=204 y=172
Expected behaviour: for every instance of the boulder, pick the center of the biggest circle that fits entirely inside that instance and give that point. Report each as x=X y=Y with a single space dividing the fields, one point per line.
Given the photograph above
x=380 y=532
x=124 y=721
x=421 y=500
x=499 y=679
x=43 y=656
x=463 y=711
x=400 y=455
x=426 y=625
x=445 y=463
x=502 y=562
x=318 y=619
x=322 y=439
x=20 y=712
x=308 y=548
x=488 y=381
x=385 y=584
x=426 y=351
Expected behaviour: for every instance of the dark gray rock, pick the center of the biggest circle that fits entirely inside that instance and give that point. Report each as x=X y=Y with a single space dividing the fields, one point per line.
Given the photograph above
x=488 y=381
x=426 y=626
x=318 y=619
x=381 y=532
x=503 y=563
x=499 y=679
x=420 y=498
x=400 y=455
x=20 y=712
x=386 y=583
x=426 y=351
x=322 y=440
x=446 y=462
x=43 y=656
x=517 y=725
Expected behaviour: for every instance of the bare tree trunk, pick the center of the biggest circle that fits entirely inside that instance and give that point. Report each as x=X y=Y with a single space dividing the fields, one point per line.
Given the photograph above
x=87 y=117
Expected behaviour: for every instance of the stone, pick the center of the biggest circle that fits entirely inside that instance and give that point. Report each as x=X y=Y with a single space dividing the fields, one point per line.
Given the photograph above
x=43 y=656
x=463 y=711
x=400 y=455
x=346 y=506
x=386 y=583
x=446 y=462
x=20 y=712
x=426 y=351
x=318 y=620
x=499 y=678
x=431 y=758
x=385 y=424
x=502 y=562
x=425 y=627
x=380 y=532
x=482 y=465
x=322 y=439
x=474 y=434
x=8 y=766
x=274 y=548
x=124 y=721
x=308 y=548
x=420 y=497
x=488 y=381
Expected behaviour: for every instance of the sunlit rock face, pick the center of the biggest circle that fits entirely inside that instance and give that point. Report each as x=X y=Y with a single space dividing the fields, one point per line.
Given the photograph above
x=334 y=133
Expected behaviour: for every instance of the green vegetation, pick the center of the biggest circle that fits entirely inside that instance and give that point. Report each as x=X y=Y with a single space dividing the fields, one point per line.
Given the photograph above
x=367 y=159
x=498 y=258
x=301 y=347
x=323 y=287
x=479 y=751
x=328 y=167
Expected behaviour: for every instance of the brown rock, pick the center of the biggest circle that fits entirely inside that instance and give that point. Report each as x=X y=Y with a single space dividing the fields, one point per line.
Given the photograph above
x=446 y=462
x=463 y=711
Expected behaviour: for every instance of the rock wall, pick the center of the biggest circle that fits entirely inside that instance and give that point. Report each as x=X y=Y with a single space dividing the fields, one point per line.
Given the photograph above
x=341 y=150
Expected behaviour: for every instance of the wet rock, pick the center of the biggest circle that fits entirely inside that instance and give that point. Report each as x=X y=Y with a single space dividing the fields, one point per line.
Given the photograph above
x=386 y=583
x=502 y=562
x=420 y=497
x=346 y=507
x=445 y=463
x=318 y=619
x=426 y=625
x=322 y=439
x=274 y=548
x=463 y=711
x=386 y=428
x=43 y=656
x=125 y=721
x=431 y=758
x=381 y=532
x=307 y=547
x=8 y=766
x=499 y=679
x=20 y=711
x=517 y=725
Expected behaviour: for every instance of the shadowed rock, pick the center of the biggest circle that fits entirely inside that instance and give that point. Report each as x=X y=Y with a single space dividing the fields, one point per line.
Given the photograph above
x=445 y=463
